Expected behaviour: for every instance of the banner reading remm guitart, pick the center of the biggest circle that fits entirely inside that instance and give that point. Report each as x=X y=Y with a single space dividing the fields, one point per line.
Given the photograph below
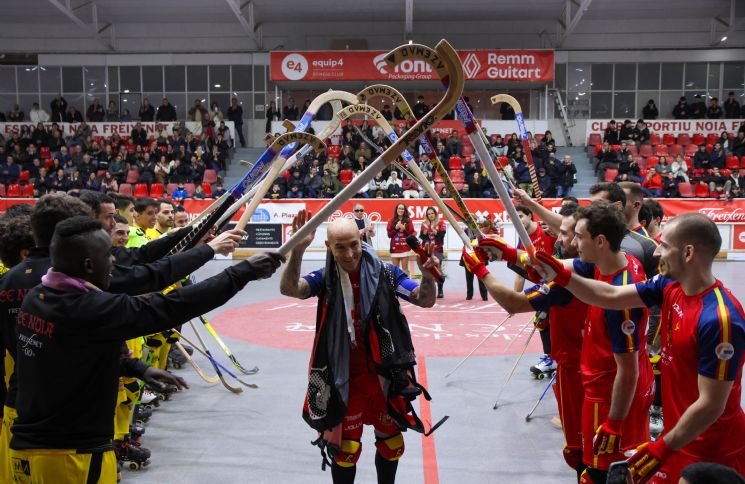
x=370 y=65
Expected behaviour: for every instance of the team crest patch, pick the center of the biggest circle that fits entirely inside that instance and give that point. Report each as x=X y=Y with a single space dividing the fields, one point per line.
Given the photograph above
x=628 y=327
x=724 y=351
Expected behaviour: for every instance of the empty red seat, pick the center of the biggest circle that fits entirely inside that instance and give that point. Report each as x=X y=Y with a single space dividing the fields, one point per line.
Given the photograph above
x=455 y=163
x=170 y=188
x=437 y=178
x=654 y=138
x=712 y=138
x=661 y=150
x=156 y=190
x=28 y=191
x=459 y=186
x=691 y=149
x=45 y=152
x=345 y=176
x=133 y=176
x=709 y=147
x=101 y=172
x=652 y=161
x=467 y=150
x=643 y=173
x=503 y=161
x=685 y=190
x=701 y=190
x=668 y=139
x=210 y=176
x=457 y=176
x=684 y=139
x=733 y=162
x=334 y=150
x=141 y=190
x=14 y=191
x=615 y=148
x=438 y=187
x=25 y=176
x=207 y=189
x=2 y=189
x=698 y=139
x=610 y=174
x=190 y=187
x=641 y=161
x=595 y=139
x=632 y=149
x=645 y=150
x=125 y=189
x=676 y=150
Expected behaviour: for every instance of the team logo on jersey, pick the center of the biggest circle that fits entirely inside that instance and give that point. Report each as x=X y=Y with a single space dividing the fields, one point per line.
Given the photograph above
x=724 y=351
x=628 y=327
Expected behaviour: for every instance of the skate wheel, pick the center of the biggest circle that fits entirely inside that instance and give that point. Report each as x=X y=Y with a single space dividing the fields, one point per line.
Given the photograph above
x=177 y=366
x=541 y=376
x=133 y=466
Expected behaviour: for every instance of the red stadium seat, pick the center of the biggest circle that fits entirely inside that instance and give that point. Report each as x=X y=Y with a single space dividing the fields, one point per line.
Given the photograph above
x=712 y=138
x=14 y=191
x=691 y=149
x=645 y=150
x=652 y=161
x=459 y=186
x=595 y=139
x=742 y=160
x=141 y=190
x=44 y=152
x=661 y=150
x=28 y=191
x=334 y=150
x=503 y=160
x=726 y=172
x=438 y=187
x=133 y=176
x=668 y=139
x=2 y=189
x=698 y=139
x=685 y=189
x=458 y=176
x=654 y=138
x=189 y=187
x=468 y=150
x=676 y=150
x=684 y=139
x=101 y=172
x=455 y=163
x=125 y=189
x=709 y=147
x=345 y=177
x=207 y=189
x=538 y=137
x=701 y=190
x=641 y=161
x=733 y=162
x=610 y=174
x=643 y=173
x=632 y=149
x=25 y=176
x=156 y=190
x=615 y=148
x=437 y=178
x=170 y=188
x=210 y=176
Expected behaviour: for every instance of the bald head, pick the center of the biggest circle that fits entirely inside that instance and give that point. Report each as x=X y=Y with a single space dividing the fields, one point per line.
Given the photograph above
x=342 y=228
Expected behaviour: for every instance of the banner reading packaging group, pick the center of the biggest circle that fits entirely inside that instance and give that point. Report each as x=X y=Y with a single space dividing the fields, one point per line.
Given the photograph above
x=370 y=65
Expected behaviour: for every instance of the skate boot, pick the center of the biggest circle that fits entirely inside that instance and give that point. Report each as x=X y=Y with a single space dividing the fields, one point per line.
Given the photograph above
x=142 y=413
x=130 y=452
x=656 y=424
x=136 y=431
x=188 y=349
x=545 y=367
x=118 y=470
x=149 y=397
x=176 y=359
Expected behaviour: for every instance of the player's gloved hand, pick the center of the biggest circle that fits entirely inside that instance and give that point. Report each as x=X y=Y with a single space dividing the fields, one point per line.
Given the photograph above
x=647 y=460
x=264 y=264
x=498 y=249
x=550 y=268
x=474 y=262
x=158 y=378
x=607 y=438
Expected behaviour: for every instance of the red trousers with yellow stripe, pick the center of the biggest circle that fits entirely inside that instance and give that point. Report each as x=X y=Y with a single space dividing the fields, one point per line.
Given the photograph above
x=570 y=394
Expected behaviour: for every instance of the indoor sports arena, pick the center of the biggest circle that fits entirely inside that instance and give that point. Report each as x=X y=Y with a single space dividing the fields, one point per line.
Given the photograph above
x=412 y=241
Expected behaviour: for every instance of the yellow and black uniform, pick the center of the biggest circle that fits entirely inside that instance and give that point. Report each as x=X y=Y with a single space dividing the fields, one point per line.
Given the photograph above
x=137 y=237
x=16 y=283
x=64 y=313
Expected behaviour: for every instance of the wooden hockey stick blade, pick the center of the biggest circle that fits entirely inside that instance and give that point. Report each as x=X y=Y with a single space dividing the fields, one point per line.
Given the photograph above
x=225 y=348
x=248 y=385
x=228 y=386
x=202 y=375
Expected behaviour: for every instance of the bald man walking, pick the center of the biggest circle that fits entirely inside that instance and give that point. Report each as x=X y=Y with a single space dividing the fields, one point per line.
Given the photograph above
x=361 y=369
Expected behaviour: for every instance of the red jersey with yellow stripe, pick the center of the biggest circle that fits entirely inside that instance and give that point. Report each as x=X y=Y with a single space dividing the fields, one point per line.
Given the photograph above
x=608 y=332
x=703 y=334
x=541 y=240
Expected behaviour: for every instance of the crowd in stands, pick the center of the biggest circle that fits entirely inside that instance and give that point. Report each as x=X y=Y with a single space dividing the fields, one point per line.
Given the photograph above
x=35 y=160
x=671 y=166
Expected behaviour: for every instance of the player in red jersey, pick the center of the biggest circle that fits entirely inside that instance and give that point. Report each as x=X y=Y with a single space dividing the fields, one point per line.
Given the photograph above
x=567 y=315
x=703 y=337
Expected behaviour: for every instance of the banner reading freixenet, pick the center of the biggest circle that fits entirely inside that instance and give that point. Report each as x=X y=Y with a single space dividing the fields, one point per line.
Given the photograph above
x=370 y=65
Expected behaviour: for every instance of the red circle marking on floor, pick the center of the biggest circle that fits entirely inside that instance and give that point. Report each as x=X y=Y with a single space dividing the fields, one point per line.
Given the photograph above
x=452 y=328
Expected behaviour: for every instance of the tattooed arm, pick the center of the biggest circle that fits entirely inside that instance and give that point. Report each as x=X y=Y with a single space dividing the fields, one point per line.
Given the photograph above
x=292 y=284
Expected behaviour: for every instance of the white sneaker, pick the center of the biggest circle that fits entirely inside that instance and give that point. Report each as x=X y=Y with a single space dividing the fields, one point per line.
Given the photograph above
x=147 y=397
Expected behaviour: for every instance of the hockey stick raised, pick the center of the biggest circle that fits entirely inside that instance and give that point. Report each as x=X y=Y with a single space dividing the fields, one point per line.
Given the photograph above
x=448 y=66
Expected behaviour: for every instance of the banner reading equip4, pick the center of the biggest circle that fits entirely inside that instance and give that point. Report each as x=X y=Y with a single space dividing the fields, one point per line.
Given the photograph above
x=370 y=65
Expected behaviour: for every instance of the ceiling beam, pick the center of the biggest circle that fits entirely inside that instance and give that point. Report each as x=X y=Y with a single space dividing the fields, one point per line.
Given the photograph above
x=248 y=24
x=92 y=30
x=409 y=19
x=572 y=24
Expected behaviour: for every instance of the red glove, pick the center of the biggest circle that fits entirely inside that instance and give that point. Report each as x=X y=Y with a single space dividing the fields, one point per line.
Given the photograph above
x=647 y=460
x=504 y=252
x=550 y=268
x=607 y=438
x=474 y=262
